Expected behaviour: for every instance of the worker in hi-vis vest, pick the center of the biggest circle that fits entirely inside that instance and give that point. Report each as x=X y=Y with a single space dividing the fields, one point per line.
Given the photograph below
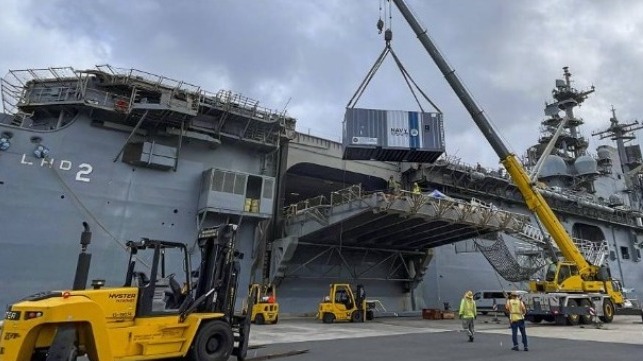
x=517 y=310
x=468 y=313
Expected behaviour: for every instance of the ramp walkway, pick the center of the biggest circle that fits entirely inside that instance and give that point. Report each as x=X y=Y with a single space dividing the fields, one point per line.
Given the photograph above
x=403 y=228
x=408 y=221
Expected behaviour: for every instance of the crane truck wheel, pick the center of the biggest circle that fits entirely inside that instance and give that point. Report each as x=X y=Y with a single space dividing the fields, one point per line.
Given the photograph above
x=213 y=342
x=585 y=319
x=572 y=317
x=608 y=311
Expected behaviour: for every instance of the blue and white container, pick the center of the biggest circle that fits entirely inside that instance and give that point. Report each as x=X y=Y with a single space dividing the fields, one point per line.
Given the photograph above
x=392 y=135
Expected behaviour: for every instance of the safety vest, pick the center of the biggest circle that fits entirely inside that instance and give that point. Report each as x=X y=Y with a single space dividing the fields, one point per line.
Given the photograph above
x=515 y=310
x=467 y=308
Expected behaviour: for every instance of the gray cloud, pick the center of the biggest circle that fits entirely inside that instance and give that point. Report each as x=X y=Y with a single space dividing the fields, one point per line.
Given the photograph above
x=313 y=54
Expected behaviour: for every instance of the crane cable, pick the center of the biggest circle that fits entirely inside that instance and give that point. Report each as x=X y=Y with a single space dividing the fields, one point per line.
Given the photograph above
x=388 y=36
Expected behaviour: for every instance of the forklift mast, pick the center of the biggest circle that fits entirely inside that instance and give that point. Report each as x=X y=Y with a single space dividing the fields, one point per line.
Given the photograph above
x=219 y=270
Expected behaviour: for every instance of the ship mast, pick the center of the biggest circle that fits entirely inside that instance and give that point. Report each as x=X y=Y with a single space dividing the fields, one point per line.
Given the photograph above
x=571 y=143
x=621 y=133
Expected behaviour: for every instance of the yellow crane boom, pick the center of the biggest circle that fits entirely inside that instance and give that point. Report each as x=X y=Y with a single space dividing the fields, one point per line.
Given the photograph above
x=576 y=276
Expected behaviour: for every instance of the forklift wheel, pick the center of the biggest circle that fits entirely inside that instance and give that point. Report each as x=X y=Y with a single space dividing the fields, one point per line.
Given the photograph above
x=276 y=320
x=259 y=320
x=328 y=318
x=213 y=342
x=357 y=316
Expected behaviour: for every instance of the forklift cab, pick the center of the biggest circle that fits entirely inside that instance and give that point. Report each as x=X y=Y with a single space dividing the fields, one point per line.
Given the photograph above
x=343 y=299
x=160 y=271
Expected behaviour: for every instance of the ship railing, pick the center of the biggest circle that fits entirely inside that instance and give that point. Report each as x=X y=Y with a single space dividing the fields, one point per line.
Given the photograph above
x=131 y=76
x=339 y=197
x=245 y=106
x=531 y=234
x=456 y=163
x=594 y=252
x=16 y=83
x=11 y=96
x=43 y=94
x=346 y=195
x=231 y=101
x=306 y=204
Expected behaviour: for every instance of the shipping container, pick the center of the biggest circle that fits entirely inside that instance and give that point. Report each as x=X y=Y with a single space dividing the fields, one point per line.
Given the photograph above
x=392 y=135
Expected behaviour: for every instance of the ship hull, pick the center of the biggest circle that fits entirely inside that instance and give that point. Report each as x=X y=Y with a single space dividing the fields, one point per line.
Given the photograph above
x=45 y=202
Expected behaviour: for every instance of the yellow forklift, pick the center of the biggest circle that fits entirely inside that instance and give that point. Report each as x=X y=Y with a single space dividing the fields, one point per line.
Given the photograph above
x=266 y=308
x=150 y=317
x=342 y=304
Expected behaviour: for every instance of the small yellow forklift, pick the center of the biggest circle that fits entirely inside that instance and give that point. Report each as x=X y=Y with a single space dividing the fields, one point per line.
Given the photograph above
x=266 y=308
x=342 y=304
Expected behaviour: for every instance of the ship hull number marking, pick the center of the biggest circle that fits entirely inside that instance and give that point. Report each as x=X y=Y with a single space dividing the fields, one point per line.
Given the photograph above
x=83 y=170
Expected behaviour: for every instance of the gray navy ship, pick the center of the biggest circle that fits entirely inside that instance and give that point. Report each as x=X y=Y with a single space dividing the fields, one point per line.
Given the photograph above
x=137 y=155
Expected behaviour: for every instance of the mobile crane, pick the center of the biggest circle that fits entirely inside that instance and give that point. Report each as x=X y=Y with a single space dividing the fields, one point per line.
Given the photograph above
x=574 y=285
x=148 y=318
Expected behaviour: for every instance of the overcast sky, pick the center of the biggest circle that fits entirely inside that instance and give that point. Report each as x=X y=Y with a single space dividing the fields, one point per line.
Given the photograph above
x=313 y=54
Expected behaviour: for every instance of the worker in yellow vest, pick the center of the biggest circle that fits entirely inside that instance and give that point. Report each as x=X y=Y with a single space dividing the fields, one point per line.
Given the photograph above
x=468 y=313
x=516 y=309
x=416 y=189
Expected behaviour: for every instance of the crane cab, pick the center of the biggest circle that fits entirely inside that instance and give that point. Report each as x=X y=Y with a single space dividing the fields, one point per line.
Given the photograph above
x=561 y=275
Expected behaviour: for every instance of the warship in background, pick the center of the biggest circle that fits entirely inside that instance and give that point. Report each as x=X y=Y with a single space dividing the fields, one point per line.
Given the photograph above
x=141 y=155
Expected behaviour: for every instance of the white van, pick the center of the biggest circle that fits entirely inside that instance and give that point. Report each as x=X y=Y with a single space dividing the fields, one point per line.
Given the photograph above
x=486 y=299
